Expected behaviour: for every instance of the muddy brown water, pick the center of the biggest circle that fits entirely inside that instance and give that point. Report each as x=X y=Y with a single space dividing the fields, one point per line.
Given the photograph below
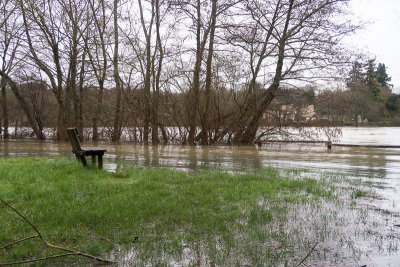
x=375 y=170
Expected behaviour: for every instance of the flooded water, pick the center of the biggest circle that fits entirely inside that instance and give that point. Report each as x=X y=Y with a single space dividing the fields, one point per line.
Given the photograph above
x=375 y=170
x=373 y=162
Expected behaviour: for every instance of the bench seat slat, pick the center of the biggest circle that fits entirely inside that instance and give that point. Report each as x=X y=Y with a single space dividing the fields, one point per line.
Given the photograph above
x=93 y=149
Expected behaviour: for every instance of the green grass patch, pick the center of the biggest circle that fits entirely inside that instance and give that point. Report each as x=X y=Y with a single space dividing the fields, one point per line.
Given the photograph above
x=357 y=193
x=156 y=213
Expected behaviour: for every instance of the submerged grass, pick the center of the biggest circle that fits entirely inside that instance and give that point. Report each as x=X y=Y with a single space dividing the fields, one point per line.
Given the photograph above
x=156 y=214
x=357 y=193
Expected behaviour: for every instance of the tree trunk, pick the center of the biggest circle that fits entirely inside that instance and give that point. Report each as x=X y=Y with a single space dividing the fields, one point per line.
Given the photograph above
x=147 y=109
x=96 y=115
x=252 y=127
x=80 y=96
x=4 y=108
x=24 y=105
x=194 y=92
x=62 y=123
x=154 y=108
x=156 y=80
x=16 y=127
x=116 y=135
x=71 y=87
x=205 y=117
x=147 y=75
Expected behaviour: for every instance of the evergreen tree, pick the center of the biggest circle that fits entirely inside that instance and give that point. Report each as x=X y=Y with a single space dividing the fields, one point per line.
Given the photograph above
x=382 y=76
x=309 y=96
x=392 y=103
x=372 y=79
x=356 y=73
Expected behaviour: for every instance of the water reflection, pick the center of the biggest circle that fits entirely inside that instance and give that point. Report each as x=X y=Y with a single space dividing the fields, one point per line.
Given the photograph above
x=5 y=149
x=366 y=161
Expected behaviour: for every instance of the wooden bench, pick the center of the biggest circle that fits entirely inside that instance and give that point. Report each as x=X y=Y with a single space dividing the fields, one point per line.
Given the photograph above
x=81 y=152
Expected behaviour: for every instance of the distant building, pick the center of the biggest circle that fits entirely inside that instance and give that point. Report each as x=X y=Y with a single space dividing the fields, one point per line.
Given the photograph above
x=291 y=113
x=308 y=113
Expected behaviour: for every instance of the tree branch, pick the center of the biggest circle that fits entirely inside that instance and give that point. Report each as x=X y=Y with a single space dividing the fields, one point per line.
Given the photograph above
x=72 y=252
x=309 y=253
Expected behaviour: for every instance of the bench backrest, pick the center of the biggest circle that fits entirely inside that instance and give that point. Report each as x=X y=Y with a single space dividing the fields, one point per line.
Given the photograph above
x=73 y=137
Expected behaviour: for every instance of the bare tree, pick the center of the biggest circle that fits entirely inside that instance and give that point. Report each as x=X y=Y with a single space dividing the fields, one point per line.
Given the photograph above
x=118 y=88
x=214 y=65
x=53 y=38
x=156 y=70
x=147 y=32
x=96 y=44
x=300 y=38
x=11 y=32
x=73 y=11
x=205 y=112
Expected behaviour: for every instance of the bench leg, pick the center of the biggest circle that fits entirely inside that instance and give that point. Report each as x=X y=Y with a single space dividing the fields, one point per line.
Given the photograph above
x=83 y=161
x=100 y=161
x=94 y=159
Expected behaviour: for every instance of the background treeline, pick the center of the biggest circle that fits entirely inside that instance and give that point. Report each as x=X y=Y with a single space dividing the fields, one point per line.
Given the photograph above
x=367 y=98
x=195 y=71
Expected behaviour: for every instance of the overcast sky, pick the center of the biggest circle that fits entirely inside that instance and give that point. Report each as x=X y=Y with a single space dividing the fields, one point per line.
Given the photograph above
x=381 y=37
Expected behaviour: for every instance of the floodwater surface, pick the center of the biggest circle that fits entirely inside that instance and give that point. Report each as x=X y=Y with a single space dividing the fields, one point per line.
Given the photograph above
x=367 y=232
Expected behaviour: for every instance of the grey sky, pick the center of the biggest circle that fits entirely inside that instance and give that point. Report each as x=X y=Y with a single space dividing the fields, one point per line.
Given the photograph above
x=381 y=37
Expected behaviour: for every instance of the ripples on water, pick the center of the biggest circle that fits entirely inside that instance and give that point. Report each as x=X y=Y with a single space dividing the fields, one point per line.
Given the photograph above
x=376 y=171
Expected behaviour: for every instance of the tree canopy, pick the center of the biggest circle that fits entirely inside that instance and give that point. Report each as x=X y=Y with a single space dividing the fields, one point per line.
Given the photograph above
x=382 y=76
x=209 y=68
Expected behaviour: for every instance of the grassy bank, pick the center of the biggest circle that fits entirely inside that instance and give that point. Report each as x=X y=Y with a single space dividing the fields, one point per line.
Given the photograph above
x=153 y=215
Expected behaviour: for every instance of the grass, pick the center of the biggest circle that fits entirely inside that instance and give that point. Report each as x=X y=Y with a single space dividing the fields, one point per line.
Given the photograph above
x=357 y=193
x=158 y=215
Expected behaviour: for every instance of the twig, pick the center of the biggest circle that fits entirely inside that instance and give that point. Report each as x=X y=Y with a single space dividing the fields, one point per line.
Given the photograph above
x=25 y=219
x=309 y=253
x=72 y=252
x=81 y=254
x=35 y=260
x=18 y=241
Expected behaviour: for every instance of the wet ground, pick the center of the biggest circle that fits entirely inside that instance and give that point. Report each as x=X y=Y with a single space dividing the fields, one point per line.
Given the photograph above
x=362 y=228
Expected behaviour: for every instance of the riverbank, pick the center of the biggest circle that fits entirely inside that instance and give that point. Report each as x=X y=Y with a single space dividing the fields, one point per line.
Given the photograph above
x=160 y=215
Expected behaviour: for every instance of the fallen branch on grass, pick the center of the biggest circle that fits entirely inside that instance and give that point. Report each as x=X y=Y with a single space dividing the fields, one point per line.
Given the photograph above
x=35 y=260
x=39 y=235
x=309 y=253
x=18 y=241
